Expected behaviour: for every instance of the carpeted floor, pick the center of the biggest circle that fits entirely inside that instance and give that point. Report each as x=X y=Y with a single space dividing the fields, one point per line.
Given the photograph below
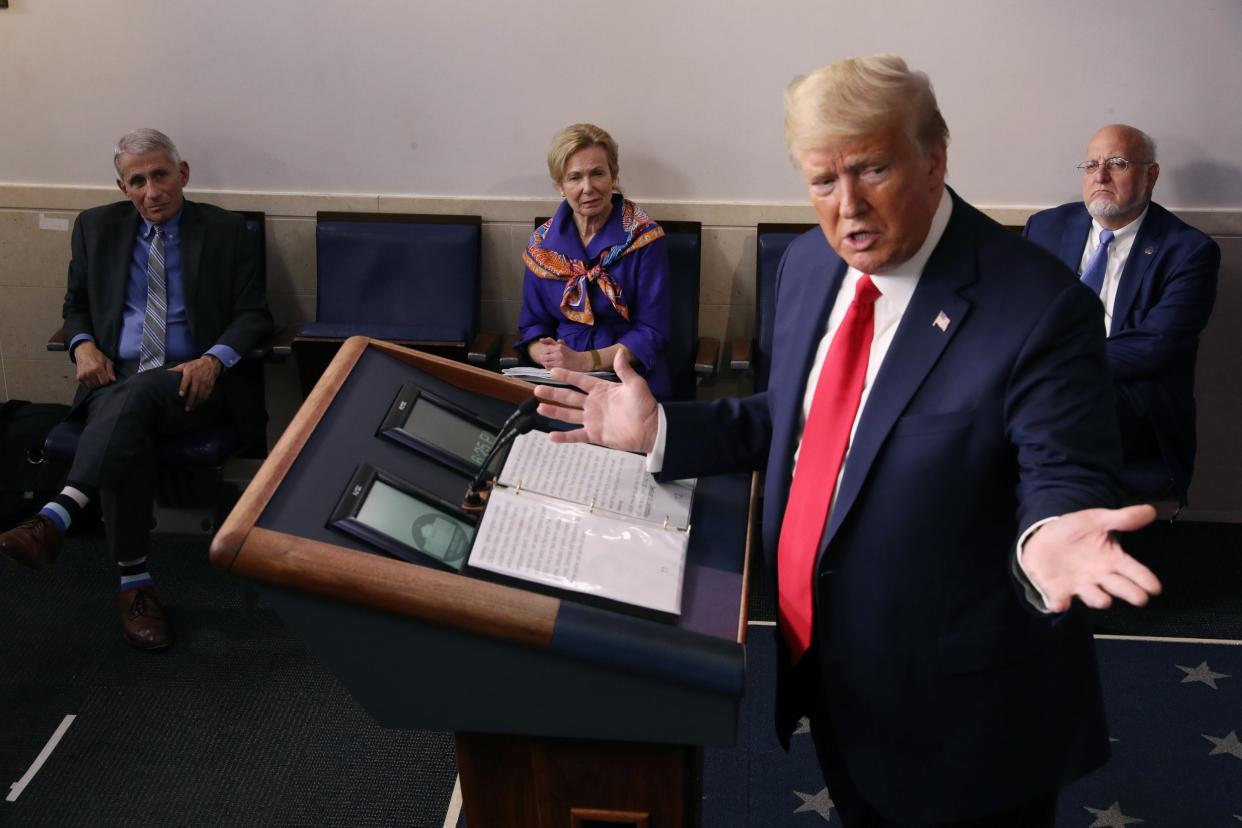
x=1176 y=761
x=238 y=725
x=1165 y=769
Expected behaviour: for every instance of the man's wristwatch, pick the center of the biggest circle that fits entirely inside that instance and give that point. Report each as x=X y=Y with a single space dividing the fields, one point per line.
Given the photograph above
x=595 y=361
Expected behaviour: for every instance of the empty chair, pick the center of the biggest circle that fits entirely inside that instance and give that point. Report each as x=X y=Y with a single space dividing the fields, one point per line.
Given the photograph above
x=410 y=279
x=689 y=355
x=755 y=355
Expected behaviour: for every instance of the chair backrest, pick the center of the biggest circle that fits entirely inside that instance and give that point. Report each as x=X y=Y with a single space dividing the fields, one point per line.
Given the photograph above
x=256 y=222
x=398 y=276
x=204 y=451
x=771 y=240
x=685 y=245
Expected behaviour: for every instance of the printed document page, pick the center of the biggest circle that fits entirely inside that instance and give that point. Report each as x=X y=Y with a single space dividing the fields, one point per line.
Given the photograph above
x=598 y=477
x=525 y=535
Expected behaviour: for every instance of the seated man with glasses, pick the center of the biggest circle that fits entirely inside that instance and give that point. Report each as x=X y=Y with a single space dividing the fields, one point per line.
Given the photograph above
x=1156 y=276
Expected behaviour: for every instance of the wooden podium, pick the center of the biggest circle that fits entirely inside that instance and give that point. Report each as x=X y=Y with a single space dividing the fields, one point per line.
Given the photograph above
x=565 y=714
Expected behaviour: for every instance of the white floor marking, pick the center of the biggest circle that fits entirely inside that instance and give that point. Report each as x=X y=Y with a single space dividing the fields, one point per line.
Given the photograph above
x=15 y=790
x=454 y=808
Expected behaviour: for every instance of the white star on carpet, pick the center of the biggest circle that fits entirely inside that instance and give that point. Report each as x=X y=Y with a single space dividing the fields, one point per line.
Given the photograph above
x=1111 y=818
x=1229 y=744
x=1202 y=674
x=820 y=803
x=804 y=726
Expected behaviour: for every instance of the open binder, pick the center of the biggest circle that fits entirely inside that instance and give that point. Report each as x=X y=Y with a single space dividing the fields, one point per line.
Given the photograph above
x=587 y=521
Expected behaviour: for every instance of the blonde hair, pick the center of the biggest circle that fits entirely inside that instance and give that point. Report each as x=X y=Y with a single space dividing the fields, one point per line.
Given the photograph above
x=577 y=137
x=856 y=97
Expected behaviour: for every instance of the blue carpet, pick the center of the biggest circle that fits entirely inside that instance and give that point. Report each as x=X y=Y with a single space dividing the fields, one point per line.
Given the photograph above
x=1174 y=710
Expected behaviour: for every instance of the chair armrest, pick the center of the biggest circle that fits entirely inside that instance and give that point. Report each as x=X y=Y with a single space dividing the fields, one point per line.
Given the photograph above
x=281 y=343
x=741 y=354
x=484 y=347
x=706 y=356
x=56 y=342
x=509 y=356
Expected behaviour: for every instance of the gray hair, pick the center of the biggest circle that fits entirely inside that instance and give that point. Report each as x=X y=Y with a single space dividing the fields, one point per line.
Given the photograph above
x=1146 y=141
x=1149 y=144
x=145 y=140
x=856 y=97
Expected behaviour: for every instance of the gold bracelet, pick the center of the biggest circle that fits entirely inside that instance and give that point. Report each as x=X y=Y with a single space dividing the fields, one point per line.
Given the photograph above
x=595 y=363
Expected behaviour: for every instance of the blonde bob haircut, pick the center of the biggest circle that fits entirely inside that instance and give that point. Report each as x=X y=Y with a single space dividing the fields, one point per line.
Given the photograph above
x=577 y=137
x=858 y=97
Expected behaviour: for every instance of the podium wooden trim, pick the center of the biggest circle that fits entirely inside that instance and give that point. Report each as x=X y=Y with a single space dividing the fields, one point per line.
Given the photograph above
x=511 y=779
x=348 y=575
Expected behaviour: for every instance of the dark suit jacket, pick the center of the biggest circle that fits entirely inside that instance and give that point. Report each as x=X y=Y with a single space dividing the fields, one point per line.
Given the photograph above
x=226 y=301
x=1163 y=302
x=948 y=694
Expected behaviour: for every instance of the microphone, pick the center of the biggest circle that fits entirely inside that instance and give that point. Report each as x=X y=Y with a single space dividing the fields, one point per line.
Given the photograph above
x=519 y=422
x=526 y=408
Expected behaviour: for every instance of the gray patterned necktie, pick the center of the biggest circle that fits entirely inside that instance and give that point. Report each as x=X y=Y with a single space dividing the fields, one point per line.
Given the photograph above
x=152 y=352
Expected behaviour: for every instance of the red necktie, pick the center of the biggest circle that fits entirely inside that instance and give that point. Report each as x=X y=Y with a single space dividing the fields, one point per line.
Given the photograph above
x=825 y=437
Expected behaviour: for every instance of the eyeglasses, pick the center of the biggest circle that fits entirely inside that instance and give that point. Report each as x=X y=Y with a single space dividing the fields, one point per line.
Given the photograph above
x=1117 y=164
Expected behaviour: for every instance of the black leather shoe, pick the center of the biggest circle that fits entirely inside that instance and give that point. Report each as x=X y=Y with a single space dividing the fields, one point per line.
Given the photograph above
x=34 y=543
x=143 y=622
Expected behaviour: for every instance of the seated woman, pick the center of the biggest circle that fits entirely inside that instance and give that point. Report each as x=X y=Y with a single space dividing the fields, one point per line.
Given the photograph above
x=596 y=277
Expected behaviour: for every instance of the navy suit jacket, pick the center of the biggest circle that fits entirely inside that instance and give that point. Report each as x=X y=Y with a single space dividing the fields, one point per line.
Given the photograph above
x=948 y=695
x=1163 y=303
x=225 y=298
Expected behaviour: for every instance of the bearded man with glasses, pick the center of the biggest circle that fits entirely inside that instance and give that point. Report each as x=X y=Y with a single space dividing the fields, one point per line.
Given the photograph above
x=1156 y=277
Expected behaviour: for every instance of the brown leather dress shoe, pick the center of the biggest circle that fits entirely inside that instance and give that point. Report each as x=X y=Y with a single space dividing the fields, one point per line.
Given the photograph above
x=143 y=622
x=34 y=543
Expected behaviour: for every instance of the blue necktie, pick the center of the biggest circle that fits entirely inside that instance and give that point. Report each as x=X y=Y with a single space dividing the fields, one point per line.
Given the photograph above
x=152 y=350
x=1093 y=273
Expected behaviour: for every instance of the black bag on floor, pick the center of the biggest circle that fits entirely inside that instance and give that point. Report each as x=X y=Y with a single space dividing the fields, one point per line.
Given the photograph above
x=27 y=478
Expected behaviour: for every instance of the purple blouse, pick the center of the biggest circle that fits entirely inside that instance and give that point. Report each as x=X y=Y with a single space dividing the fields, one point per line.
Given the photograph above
x=643 y=279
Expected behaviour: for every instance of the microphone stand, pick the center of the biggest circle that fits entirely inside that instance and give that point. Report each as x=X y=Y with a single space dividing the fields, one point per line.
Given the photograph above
x=520 y=421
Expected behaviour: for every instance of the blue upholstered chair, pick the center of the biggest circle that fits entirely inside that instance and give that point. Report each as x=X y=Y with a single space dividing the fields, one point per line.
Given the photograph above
x=690 y=356
x=755 y=355
x=410 y=279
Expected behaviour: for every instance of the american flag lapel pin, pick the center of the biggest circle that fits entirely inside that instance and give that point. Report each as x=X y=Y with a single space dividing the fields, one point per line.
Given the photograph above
x=942 y=321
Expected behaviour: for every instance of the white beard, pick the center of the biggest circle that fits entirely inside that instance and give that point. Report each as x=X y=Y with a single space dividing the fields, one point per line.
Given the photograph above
x=1103 y=208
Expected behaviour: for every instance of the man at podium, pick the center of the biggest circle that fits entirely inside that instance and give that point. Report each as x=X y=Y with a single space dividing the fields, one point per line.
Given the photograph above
x=940 y=456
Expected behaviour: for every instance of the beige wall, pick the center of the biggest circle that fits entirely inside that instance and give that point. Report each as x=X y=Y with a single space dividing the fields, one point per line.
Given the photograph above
x=462 y=98
x=34 y=255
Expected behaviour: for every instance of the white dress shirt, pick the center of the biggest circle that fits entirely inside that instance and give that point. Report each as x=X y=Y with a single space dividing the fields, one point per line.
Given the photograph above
x=1118 y=254
x=896 y=285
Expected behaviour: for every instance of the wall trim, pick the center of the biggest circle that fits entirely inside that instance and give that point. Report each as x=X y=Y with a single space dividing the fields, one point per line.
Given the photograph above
x=60 y=198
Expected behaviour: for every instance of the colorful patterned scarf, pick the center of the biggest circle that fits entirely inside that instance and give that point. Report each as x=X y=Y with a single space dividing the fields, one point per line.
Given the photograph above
x=640 y=231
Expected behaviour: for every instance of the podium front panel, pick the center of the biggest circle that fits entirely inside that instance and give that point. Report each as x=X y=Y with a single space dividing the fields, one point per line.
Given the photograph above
x=602 y=675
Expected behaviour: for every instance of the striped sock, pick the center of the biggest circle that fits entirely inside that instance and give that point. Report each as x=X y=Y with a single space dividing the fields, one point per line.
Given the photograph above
x=66 y=507
x=134 y=574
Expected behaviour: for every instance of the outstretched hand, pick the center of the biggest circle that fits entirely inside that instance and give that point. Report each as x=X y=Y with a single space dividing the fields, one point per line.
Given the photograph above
x=621 y=415
x=1077 y=556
